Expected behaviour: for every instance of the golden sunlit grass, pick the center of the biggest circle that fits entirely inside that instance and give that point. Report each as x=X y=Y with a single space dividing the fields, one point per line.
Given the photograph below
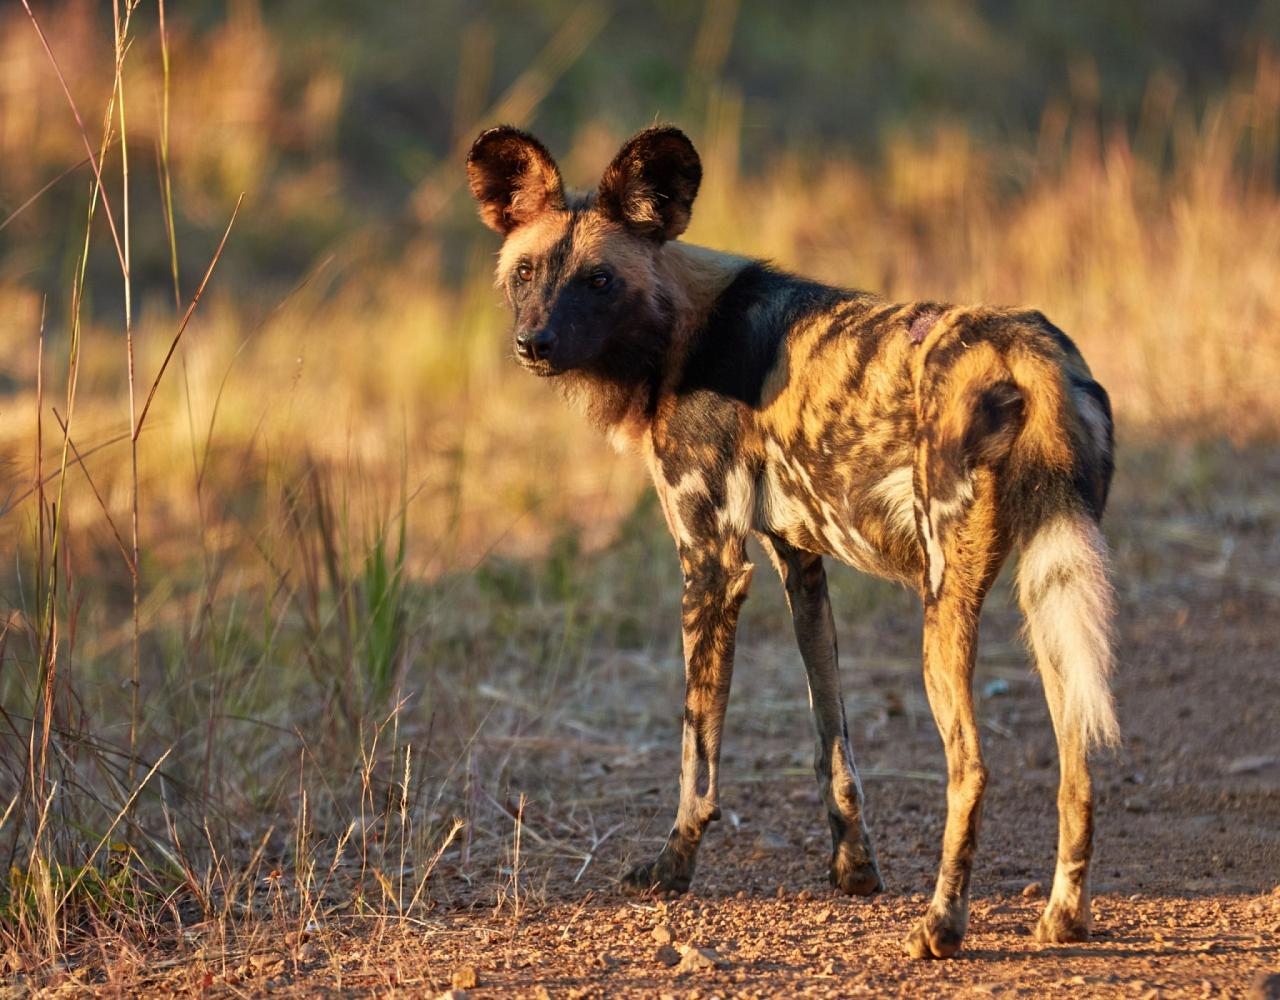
x=369 y=549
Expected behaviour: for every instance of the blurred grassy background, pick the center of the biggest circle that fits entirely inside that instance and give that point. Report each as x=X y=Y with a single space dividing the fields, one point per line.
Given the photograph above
x=346 y=492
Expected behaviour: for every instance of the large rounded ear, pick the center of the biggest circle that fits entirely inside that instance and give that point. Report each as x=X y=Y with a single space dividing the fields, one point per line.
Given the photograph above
x=650 y=185
x=513 y=178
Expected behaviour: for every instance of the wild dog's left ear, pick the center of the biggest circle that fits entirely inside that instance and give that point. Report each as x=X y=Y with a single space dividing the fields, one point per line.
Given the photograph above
x=513 y=177
x=650 y=185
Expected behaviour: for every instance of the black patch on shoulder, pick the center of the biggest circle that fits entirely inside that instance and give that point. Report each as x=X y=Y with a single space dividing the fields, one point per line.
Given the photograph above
x=702 y=424
x=738 y=346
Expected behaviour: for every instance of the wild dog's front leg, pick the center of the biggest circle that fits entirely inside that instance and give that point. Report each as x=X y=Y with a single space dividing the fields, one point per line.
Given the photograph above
x=714 y=590
x=853 y=859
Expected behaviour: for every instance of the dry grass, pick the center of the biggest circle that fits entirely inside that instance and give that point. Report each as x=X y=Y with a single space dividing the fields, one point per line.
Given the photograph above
x=372 y=561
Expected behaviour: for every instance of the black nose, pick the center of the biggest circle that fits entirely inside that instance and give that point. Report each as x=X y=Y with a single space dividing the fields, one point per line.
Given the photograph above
x=535 y=345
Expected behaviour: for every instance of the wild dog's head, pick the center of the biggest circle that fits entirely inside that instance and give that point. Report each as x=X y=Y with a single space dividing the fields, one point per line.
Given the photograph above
x=581 y=271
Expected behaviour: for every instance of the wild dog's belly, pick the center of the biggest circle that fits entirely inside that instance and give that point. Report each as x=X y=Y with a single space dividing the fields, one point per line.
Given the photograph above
x=865 y=520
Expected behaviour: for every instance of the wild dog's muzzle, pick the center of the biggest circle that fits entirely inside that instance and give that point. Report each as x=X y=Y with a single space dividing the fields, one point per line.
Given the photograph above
x=535 y=345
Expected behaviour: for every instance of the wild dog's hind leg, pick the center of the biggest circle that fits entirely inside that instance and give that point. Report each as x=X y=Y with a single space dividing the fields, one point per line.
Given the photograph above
x=1066 y=917
x=853 y=859
x=963 y=563
x=716 y=583
x=1065 y=594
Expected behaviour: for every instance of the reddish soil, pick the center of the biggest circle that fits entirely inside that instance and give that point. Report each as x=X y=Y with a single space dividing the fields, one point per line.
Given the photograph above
x=1187 y=871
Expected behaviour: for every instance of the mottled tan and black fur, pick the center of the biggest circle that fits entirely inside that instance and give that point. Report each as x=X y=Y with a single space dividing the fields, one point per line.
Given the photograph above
x=920 y=442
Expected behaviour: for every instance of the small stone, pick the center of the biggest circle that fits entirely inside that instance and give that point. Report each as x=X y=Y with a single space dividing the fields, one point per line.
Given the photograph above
x=540 y=992
x=1037 y=757
x=666 y=955
x=663 y=934
x=695 y=959
x=781 y=892
x=1031 y=890
x=465 y=978
x=804 y=895
x=453 y=995
x=1248 y=765
x=822 y=916
x=1266 y=986
x=768 y=840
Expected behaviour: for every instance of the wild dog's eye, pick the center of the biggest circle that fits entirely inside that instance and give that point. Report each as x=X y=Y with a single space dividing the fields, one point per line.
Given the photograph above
x=524 y=271
x=599 y=280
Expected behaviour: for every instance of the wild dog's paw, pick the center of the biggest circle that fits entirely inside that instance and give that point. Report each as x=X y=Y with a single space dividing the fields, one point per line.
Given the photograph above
x=937 y=935
x=1059 y=926
x=664 y=875
x=853 y=869
x=855 y=879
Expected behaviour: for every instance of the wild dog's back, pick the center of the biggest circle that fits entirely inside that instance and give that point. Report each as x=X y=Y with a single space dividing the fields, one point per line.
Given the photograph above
x=831 y=391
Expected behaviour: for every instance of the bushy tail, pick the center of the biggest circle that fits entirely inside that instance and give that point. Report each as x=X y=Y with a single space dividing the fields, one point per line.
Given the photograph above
x=1065 y=592
x=1025 y=404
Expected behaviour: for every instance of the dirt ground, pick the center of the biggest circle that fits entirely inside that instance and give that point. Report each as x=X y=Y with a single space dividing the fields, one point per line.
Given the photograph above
x=1187 y=870
x=1187 y=866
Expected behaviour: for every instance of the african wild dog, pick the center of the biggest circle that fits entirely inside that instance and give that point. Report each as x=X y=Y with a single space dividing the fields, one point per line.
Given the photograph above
x=920 y=442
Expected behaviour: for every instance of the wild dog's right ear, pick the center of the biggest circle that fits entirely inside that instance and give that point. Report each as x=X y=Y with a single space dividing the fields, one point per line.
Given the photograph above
x=513 y=178
x=650 y=185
